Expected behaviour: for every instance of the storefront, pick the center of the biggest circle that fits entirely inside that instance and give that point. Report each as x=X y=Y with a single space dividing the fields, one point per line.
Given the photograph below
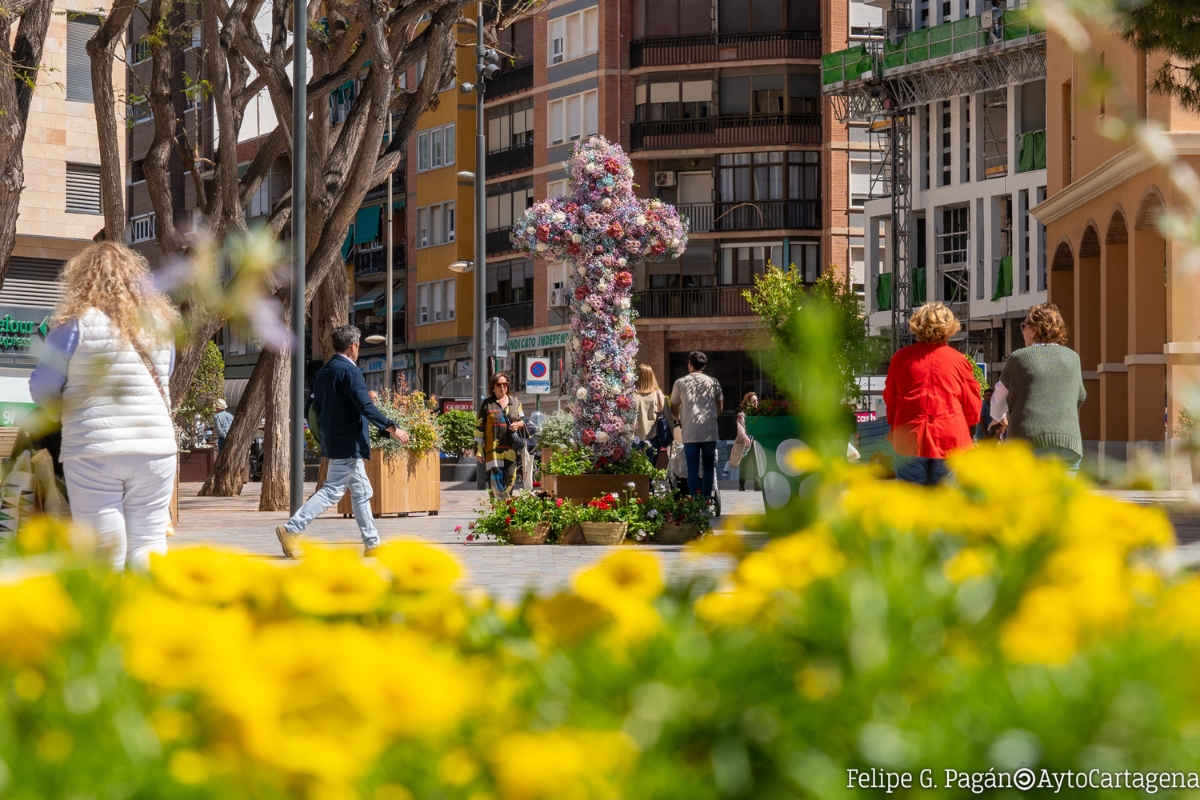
x=440 y=365
x=403 y=365
x=22 y=337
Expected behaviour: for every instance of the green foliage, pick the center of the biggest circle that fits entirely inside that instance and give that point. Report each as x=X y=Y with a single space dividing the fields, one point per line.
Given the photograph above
x=558 y=431
x=578 y=461
x=977 y=371
x=458 y=431
x=522 y=511
x=1185 y=428
x=571 y=461
x=779 y=294
x=411 y=413
x=771 y=407
x=207 y=386
x=677 y=508
x=1171 y=29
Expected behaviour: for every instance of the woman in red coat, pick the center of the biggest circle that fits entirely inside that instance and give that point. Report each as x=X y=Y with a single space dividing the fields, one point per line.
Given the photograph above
x=932 y=398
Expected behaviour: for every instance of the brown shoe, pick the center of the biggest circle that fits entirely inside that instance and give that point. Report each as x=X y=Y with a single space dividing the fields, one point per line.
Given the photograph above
x=289 y=541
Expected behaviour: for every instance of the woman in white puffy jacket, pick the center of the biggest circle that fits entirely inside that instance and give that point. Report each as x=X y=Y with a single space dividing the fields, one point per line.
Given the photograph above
x=106 y=372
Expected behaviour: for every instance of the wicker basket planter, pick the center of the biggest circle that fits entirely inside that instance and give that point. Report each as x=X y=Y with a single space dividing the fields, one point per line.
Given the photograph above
x=604 y=532
x=676 y=534
x=535 y=535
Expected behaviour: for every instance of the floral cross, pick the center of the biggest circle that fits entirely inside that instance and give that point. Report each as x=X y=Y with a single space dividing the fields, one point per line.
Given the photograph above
x=601 y=229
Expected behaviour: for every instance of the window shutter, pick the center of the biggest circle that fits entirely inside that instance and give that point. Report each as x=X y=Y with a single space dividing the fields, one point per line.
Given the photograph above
x=574 y=117
x=83 y=189
x=79 y=66
x=555 y=110
x=591 y=114
x=591 y=19
x=450 y=299
x=860 y=178
x=32 y=282
x=865 y=16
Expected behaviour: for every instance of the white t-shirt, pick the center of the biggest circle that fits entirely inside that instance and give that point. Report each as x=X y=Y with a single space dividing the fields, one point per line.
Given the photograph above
x=697 y=395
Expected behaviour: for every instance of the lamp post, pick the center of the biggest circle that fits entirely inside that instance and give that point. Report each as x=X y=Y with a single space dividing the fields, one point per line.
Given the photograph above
x=388 y=299
x=299 y=184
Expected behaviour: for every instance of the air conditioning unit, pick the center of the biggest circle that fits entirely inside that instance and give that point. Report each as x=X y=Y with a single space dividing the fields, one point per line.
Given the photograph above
x=989 y=17
x=662 y=179
x=558 y=298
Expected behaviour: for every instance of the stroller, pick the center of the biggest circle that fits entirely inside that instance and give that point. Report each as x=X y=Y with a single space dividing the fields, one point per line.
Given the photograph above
x=677 y=474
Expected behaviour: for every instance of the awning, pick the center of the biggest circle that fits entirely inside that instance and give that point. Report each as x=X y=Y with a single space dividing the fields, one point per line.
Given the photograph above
x=368 y=300
x=398 y=298
x=366 y=225
x=346 y=245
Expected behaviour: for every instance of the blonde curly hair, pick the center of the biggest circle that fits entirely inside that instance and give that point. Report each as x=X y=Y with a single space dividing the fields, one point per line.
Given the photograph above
x=1047 y=324
x=115 y=280
x=933 y=323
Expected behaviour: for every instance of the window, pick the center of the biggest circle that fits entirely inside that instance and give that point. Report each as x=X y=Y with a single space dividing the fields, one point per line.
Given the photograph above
x=517 y=41
x=946 y=134
x=860 y=182
x=574 y=36
x=341 y=100
x=744 y=177
x=573 y=117
x=436 y=301
x=805 y=258
x=435 y=148
x=966 y=139
x=83 y=189
x=668 y=97
x=137 y=171
x=556 y=189
x=139 y=110
x=80 y=29
x=197 y=37
x=507 y=201
x=421 y=68
x=143 y=228
x=194 y=97
x=655 y=18
x=260 y=203
x=139 y=51
x=435 y=224
x=741 y=263
x=510 y=125
x=508 y=283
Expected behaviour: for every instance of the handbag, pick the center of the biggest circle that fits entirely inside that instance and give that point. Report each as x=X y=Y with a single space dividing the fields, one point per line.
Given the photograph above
x=660 y=436
x=737 y=452
x=518 y=441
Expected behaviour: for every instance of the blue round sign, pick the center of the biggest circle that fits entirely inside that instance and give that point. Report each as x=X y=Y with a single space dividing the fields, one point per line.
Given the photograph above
x=537 y=369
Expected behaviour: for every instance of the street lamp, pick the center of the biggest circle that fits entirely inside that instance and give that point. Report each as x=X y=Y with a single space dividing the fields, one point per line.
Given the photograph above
x=299 y=184
x=375 y=339
x=462 y=267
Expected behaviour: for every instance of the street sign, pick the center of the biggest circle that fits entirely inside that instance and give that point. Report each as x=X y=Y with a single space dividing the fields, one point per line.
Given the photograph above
x=497 y=331
x=537 y=376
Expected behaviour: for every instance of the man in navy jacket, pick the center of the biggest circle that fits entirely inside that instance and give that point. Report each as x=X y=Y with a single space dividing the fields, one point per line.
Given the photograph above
x=344 y=408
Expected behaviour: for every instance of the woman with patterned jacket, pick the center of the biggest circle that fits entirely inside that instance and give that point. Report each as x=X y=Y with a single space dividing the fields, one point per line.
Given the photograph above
x=499 y=416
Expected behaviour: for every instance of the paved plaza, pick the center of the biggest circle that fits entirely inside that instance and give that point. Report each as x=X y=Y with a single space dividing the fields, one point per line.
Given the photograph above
x=503 y=571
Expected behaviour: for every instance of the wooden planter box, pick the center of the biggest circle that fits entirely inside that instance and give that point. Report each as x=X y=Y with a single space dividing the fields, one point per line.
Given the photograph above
x=582 y=488
x=195 y=465
x=401 y=485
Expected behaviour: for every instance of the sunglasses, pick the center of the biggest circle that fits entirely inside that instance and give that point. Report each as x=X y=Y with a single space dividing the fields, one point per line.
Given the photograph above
x=1025 y=325
x=498 y=385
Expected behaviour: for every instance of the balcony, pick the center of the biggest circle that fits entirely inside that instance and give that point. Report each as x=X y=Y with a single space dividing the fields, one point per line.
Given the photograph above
x=499 y=241
x=728 y=131
x=699 y=216
x=760 y=215
x=672 y=50
x=706 y=302
x=518 y=315
x=377 y=329
x=374 y=262
x=514 y=159
x=511 y=81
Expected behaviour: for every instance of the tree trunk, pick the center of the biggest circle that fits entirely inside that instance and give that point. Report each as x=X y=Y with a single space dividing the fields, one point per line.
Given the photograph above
x=187 y=359
x=333 y=301
x=276 y=450
x=101 y=50
x=226 y=477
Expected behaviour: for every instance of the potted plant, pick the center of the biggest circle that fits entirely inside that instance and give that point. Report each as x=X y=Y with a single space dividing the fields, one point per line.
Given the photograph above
x=679 y=518
x=404 y=477
x=457 y=429
x=578 y=476
x=606 y=519
x=556 y=434
x=525 y=518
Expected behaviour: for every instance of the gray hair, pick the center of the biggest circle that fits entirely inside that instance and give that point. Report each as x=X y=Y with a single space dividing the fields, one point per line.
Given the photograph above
x=345 y=337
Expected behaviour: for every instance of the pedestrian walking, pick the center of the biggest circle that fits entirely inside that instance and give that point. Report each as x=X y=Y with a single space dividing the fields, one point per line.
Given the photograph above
x=105 y=372
x=696 y=400
x=1040 y=390
x=650 y=406
x=741 y=455
x=223 y=421
x=498 y=436
x=932 y=398
x=343 y=411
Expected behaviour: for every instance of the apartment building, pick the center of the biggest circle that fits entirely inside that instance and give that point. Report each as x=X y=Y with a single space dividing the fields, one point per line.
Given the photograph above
x=60 y=211
x=718 y=104
x=975 y=162
x=1128 y=294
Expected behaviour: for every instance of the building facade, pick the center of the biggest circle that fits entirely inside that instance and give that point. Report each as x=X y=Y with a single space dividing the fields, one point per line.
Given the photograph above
x=1129 y=296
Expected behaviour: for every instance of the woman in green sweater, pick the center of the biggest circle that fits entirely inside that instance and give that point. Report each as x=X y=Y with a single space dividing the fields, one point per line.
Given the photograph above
x=1041 y=389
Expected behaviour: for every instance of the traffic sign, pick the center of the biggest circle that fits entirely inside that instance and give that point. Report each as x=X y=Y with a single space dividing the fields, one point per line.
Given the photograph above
x=496 y=332
x=537 y=376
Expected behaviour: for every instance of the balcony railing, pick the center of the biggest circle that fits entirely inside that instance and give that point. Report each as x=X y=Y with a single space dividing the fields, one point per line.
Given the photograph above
x=510 y=81
x=706 y=302
x=724 y=47
x=374 y=262
x=514 y=159
x=699 y=216
x=377 y=328
x=727 y=130
x=518 y=315
x=499 y=241
x=762 y=215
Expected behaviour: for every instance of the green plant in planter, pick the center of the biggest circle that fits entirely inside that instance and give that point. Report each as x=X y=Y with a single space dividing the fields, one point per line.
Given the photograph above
x=574 y=461
x=457 y=429
x=557 y=432
x=571 y=461
x=614 y=508
x=674 y=508
x=523 y=511
x=772 y=407
x=411 y=413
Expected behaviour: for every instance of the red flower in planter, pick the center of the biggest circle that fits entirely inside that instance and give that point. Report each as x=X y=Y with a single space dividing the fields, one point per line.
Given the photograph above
x=615 y=230
x=470 y=537
x=558 y=501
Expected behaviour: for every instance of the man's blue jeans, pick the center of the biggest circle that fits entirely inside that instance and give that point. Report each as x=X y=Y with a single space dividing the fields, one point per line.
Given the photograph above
x=344 y=473
x=694 y=453
x=921 y=471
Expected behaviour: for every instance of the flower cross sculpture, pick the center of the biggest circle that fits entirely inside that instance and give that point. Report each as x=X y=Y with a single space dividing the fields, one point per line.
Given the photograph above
x=601 y=229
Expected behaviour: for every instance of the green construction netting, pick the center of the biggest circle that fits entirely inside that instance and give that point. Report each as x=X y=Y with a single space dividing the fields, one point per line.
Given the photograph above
x=967 y=35
x=916 y=290
x=1019 y=23
x=1003 y=278
x=893 y=55
x=916 y=47
x=844 y=65
x=941 y=40
x=1032 y=153
x=883 y=292
x=366 y=225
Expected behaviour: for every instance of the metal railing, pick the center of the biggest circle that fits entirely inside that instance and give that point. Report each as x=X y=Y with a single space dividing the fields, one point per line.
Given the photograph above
x=518 y=315
x=510 y=81
x=702 y=49
x=499 y=241
x=514 y=159
x=727 y=130
x=374 y=262
x=699 y=216
x=767 y=215
x=706 y=302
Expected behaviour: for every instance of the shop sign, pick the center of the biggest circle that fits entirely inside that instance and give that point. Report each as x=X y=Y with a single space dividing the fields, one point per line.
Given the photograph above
x=538 y=341
x=457 y=405
x=377 y=363
x=432 y=355
x=19 y=334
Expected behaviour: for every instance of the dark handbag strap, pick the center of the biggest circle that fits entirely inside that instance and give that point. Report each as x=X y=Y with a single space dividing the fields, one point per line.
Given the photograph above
x=137 y=346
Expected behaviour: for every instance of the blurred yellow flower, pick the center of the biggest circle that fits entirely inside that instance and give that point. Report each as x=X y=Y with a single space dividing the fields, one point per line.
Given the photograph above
x=1176 y=611
x=792 y=562
x=175 y=645
x=1093 y=517
x=565 y=619
x=441 y=614
x=727 y=543
x=737 y=607
x=329 y=582
x=419 y=567
x=560 y=764
x=1044 y=630
x=171 y=724
x=970 y=562
x=188 y=767
x=35 y=615
x=1097 y=578
x=208 y=575
x=44 y=533
x=626 y=574
x=458 y=768
x=818 y=682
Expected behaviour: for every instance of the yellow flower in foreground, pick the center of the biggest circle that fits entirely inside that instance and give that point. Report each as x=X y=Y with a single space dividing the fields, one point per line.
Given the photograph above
x=329 y=582
x=625 y=573
x=728 y=543
x=792 y=562
x=1045 y=629
x=419 y=567
x=1093 y=517
x=1176 y=612
x=970 y=562
x=208 y=575
x=565 y=619
x=44 y=533
x=35 y=615
x=1098 y=580
x=736 y=607
x=560 y=764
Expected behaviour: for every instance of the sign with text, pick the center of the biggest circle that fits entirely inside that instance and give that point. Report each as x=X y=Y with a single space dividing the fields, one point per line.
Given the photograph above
x=537 y=376
x=457 y=405
x=538 y=341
